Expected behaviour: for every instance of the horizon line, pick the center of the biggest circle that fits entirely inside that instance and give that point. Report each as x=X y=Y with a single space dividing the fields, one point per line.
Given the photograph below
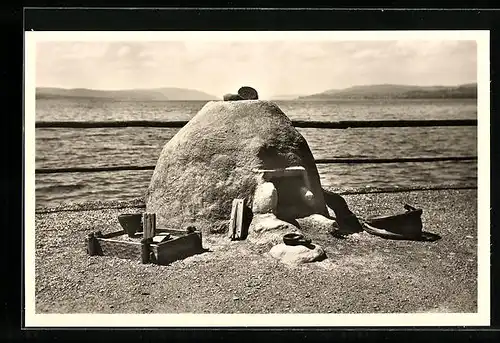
x=293 y=93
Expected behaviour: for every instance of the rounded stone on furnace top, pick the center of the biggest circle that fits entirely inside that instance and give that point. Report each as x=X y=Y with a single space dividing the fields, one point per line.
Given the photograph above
x=232 y=97
x=248 y=93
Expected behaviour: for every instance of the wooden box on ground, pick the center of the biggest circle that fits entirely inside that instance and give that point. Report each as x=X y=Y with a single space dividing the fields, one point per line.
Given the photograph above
x=180 y=245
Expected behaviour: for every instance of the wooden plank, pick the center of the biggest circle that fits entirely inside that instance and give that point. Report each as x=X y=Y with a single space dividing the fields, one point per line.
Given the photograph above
x=175 y=232
x=164 y=252
x=120 y=249
x=239 y=218
x=160 y=238
x=146 y=225
x=152 y=218
x=232 y=220
x=178 y=248
x=113 y=234
x=109 y=240
x=149 y=224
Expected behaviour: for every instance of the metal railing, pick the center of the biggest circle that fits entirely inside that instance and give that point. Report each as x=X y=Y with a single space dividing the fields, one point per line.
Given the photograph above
x=296 y=123
x=342 y=124
x=318 y=161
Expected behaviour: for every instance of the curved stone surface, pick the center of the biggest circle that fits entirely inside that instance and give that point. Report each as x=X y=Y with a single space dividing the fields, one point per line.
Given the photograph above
x=265 y=198
x=232 y=97
x=317 y=223
x=297 y=254
x=266 y=229
x=210 y=162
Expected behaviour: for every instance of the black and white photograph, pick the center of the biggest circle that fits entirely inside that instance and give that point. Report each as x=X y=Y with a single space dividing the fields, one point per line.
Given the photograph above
x=283 y=178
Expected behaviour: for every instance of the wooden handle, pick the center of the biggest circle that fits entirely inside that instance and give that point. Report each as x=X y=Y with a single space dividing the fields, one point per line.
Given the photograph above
x=232 y=219
x=410 y=208
x=145 y=251
x=149 y=224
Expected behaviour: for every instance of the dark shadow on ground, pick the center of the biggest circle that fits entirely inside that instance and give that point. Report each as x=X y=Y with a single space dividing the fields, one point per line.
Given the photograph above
x=247 y=219
x=346 y=219
x=429 y=237
x=423 y=237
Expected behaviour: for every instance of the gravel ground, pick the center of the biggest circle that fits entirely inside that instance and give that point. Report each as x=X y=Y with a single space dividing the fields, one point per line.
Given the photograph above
x=363 y=273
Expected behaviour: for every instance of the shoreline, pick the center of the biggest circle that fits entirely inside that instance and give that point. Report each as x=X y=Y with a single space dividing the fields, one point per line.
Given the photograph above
x=139 y=201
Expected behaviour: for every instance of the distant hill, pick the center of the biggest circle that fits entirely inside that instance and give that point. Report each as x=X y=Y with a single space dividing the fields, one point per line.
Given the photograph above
x=157 y=94
x=285 y=97
x=390 y=91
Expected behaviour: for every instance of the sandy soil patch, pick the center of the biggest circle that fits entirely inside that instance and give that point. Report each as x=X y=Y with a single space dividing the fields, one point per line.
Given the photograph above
x=363 y=273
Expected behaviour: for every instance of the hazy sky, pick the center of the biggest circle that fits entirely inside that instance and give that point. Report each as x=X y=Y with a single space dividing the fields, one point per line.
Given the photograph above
x=281 y=67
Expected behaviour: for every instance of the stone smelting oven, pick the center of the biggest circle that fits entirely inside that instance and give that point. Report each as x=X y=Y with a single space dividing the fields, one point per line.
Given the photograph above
x=245 y=149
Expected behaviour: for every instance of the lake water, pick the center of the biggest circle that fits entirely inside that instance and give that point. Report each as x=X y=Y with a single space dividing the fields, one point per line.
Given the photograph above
x=57 y=148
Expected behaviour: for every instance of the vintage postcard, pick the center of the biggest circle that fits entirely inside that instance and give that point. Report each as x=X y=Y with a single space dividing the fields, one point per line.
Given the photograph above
x=305 y=178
